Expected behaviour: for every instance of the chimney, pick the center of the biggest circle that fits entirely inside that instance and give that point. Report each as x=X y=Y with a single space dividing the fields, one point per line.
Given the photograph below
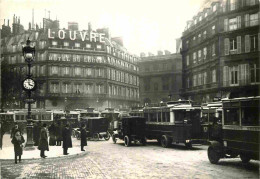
x=142 y=54
x=89 y=26
x=159 y=52
x=166 y=52
x=150 y=54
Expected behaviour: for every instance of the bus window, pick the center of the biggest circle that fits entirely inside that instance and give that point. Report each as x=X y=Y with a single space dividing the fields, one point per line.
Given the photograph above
x=180 y=116
x=167 y=116
x=159 y=116
x=231 y=116
x=153 y=117
x=250 y=116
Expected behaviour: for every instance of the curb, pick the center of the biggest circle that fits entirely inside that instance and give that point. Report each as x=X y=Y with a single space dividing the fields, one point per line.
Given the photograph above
x=59 y=157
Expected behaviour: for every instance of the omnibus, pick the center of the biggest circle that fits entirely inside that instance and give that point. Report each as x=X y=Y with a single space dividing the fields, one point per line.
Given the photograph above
x=89 y=112
x=177 y=121
x=211 y=114
x=37 y=115
x=240 y=131
x=7 y=116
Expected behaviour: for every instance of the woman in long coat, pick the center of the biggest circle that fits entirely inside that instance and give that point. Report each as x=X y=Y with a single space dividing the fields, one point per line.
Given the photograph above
x=18 y=140
x=67 y=143
x=83 y=137
x=43 y=142
x=52 y=131
x=59 y=133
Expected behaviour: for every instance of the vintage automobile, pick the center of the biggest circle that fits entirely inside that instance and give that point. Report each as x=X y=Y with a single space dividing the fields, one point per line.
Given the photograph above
x=129 y=128
x=97 y=127
x=240 y=131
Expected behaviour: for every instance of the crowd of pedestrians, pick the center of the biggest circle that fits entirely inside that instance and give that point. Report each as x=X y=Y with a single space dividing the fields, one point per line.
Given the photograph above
x=57 y=133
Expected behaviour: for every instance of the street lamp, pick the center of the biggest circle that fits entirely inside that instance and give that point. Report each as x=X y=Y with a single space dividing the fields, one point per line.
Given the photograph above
x=29 y=85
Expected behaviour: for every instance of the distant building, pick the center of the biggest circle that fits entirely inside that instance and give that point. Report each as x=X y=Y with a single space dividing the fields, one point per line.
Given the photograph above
x=160 y=77
x=220 y=51
x=74 y=69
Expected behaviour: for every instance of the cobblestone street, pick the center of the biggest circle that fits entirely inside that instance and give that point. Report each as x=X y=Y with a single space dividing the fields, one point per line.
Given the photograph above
x=103 y=159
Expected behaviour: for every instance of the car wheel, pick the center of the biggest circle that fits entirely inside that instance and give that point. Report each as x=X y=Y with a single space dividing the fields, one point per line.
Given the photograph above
x=96 y=136
x=165 y=141
x=127 y=141
x=107 y=136
x=244 y=158
x=213 y=155
x=114 y=138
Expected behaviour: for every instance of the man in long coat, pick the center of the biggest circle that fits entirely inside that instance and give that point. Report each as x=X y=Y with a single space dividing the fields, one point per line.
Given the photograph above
x=52 y=131
x=66 y=136
x=83 y=137
x=36 y=133
x=43 y=142
x=58 y=133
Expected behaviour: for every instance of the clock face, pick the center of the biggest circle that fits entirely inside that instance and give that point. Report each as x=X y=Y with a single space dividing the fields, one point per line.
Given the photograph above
x=28 y=84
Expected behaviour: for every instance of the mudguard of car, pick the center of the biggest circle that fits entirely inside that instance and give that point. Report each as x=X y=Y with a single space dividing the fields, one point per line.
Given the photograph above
x=217 y=146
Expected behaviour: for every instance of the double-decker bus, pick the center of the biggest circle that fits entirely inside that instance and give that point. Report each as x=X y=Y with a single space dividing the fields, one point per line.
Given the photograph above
x=89 y=112
x=240 y=131
x=178 y=121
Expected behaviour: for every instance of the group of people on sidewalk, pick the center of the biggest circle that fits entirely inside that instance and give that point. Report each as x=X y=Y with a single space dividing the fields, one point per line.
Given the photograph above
x=42 y=142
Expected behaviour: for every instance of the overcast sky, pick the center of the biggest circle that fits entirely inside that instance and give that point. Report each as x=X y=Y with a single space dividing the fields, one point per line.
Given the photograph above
x=145 y=25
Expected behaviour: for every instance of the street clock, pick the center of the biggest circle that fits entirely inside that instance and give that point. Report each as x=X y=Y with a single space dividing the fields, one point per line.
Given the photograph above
x=29 y=84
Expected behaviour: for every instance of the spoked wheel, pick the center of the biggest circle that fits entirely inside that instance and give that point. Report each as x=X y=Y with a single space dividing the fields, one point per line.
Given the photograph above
x=96 y=136
x=107 y=136
x=127 y=141
x=213 y=155
x=244 y=158
x=114 y=138
x=165 y=141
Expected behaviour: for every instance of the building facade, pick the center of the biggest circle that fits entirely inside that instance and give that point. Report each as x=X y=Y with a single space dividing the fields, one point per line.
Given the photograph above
x=160 y=77
x=220 y=51
x=72 y=68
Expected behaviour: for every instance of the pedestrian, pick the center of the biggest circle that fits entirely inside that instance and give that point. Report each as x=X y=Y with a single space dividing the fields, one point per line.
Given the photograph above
x=58 y=133
x=43 y=142
x=83 y=137
x=52 y=131
x=36 y=133
x=18 y=141
x=67 y=143
x=14 y=129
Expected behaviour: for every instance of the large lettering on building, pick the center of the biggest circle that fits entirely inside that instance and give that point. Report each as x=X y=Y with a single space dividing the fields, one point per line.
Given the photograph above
x=84 y=35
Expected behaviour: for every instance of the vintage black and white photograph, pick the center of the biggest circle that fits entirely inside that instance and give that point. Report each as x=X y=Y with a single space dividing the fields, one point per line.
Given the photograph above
x=129 y=89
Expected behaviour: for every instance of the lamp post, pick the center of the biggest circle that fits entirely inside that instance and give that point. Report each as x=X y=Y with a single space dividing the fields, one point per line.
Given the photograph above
x=29 y=85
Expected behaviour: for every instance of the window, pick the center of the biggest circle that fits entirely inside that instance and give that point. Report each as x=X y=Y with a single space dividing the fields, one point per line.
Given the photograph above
x=250 y=115
x=54 y=70
x=188 y=82
x=214 y=8
x=99 y=46
x=205 y=78
x=233 y=5
x=214 y=77
x=66 y=88
x=199 y=37
x=233 y=44
x=204 y=52
x=253 y=43
x=77 y=45
x=206 y=14
x=213 y=30
x=187 y=60
x=88 y=45
x=77 y=71
x=199 y=55
x=195 y=80
x=54 y=88
x=233 y=73
x=194 y=57
x=233 y=24
x=254 y=73
x=253 y=19
x=199 y=79
x=66 y=44
x=66 y=71
x=54 y=43
x=231 y=116
x=88 y=71
x=200 y=18
x=204 y=34
x=213 y=50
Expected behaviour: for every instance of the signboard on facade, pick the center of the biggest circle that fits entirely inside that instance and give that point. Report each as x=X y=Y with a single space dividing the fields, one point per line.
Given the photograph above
x=72 y=35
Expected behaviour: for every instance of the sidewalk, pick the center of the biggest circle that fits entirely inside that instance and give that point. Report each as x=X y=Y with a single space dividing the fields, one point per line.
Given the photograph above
x=7 y=152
